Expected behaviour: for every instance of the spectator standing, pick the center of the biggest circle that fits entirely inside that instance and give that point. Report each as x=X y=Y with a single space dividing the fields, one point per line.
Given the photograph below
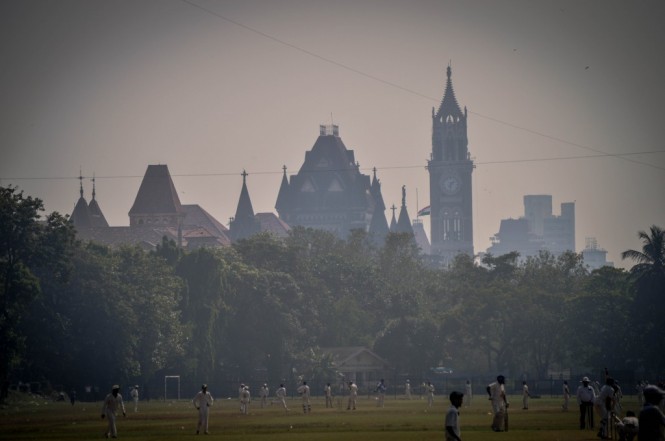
x=652 y=420
x=585 y=398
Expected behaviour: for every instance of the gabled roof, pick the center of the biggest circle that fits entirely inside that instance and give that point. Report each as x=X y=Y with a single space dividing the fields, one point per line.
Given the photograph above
x=345 y=355
x=449 y=106
x=197 y=216
x=157 y=193
x=273 y=224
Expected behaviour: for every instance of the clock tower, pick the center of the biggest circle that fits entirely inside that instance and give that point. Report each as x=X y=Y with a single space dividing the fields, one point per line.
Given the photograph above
x=450 y=167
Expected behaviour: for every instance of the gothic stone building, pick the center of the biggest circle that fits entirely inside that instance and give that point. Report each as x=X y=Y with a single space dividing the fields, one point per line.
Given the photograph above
x=329 y=192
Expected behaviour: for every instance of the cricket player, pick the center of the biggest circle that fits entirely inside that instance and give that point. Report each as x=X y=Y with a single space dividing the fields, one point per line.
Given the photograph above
x=525 y=396
x=202 y=401
x=112 y=403
x=303 y=391
x=135 y=396
x=264 y=395
x=566 y=396
x=407 y=390
x=585 y=398
x=245 y=399
x=281 y=396
x=429 y=390
x=468 y=393
x=606 y=404
x=327 y=391
x=353 y=396
x=381 y=393
x=497 y=394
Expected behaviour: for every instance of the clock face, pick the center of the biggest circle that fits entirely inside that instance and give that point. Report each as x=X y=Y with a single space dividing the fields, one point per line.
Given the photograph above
x=450 y=184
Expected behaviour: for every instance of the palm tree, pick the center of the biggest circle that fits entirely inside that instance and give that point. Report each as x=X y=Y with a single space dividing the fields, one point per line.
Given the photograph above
x=650 y=265
x=649 y=304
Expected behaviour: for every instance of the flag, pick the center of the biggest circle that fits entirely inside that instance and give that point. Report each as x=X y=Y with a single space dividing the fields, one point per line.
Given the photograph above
x=425 y=211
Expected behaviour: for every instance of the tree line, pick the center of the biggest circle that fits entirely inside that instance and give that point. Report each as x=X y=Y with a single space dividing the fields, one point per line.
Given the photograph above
x=78 y=313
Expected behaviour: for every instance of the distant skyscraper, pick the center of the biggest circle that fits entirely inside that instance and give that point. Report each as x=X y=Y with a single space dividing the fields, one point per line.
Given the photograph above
x=450 y=168
x=538 y=230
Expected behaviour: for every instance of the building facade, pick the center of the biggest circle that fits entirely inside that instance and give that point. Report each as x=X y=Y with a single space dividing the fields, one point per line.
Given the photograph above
x=329 y=192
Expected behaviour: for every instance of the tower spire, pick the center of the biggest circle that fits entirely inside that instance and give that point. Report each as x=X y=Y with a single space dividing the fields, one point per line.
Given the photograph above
x=93 y=186
x=81 y=181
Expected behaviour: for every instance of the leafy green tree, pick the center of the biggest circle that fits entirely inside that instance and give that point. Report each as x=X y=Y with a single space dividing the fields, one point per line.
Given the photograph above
x=204 y=307
x=597 y=321
x=28 y=247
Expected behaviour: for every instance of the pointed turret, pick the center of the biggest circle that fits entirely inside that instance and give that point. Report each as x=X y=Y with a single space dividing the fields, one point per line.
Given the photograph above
x=244 y=224
x=96 y=215
x=378 y=227
x=393 y=221
x=449 y=106
x=81 y=215
x=404 y=221
x=283 y=192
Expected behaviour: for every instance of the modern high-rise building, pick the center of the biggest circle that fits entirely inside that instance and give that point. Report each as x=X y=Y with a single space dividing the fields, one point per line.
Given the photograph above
x=450 y=167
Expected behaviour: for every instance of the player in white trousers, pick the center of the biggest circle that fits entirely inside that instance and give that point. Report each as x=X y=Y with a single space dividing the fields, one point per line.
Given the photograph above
x=112 y=403
x=202 y=401
x=303 y=391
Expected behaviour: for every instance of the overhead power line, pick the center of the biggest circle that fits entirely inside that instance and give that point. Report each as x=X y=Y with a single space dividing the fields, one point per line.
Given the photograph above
x=403 y=88
x=365 y=169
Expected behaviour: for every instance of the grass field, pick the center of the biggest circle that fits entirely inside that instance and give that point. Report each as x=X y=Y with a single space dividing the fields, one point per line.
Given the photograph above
x=36 y=419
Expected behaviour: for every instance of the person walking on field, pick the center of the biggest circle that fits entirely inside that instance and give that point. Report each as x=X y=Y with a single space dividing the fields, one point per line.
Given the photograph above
x=407 y=390
x=303 y=391
x=353 y=396
x=585 y=399
x=566 y=396
x=112 y=403
x=497 y=394
x=281 y=396
x=327 y=391
x=202 y=402
x=525 y=396
x=452 y=417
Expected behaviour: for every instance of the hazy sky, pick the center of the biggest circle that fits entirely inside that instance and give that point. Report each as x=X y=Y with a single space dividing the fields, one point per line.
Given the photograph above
x=564 y=98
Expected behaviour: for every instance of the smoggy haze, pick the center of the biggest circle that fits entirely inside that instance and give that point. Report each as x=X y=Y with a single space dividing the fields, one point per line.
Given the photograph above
x=112 y=86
